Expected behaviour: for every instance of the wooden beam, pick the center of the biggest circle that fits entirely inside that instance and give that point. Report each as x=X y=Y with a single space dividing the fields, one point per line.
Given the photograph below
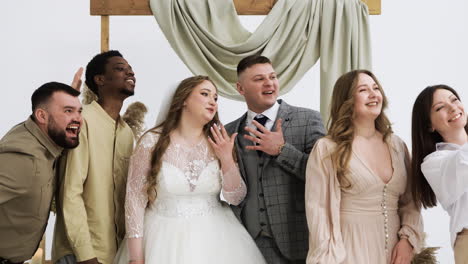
x=253 y=7
x=104 y=33
x=375 y=6
x=106 y=8
x=142 y=7
x=120 y=7
x=243 y=7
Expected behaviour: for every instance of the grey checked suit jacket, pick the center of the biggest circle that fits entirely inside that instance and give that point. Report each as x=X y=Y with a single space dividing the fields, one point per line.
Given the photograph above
x=283 y=177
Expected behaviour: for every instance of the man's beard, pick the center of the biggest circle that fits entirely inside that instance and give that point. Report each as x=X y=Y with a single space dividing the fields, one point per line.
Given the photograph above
x=127 y=92
x=60 y=137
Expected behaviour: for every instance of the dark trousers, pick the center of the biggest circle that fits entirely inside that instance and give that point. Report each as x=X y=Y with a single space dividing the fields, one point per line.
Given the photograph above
x=6 y=261
x=272 y=253
x=68 y=259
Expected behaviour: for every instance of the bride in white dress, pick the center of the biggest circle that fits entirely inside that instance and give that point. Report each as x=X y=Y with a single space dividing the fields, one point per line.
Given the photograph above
x=173 y=210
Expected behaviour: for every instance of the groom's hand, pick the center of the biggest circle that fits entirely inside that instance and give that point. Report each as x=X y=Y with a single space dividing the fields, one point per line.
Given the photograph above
x=267 y=141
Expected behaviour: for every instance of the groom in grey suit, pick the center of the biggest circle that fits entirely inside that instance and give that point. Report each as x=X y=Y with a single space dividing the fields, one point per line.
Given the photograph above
x=273 y=146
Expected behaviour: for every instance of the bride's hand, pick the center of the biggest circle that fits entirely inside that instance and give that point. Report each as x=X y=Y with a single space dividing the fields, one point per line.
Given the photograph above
x=221 y=143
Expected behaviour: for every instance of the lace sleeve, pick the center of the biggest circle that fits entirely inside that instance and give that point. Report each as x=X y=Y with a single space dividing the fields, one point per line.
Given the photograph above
x=137 y=198
x=233 y=186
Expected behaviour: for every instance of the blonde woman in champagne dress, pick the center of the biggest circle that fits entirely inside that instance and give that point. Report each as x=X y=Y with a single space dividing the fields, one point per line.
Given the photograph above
x=357 y=204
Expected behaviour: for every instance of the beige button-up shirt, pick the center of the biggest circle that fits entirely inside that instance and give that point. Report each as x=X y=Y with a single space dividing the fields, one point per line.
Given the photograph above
x=90 y=208
x=27 y=183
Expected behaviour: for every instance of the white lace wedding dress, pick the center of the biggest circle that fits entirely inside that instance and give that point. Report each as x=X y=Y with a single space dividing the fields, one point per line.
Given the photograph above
x=187 y=223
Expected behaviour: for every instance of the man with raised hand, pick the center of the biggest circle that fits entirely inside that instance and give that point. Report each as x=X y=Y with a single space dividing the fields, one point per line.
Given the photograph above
x=273 y=146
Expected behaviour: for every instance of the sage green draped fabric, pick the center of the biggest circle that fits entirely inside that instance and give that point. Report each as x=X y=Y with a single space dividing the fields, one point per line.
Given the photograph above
x=208 y=37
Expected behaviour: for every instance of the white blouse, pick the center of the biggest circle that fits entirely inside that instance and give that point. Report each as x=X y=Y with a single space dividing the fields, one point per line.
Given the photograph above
x=446 y=170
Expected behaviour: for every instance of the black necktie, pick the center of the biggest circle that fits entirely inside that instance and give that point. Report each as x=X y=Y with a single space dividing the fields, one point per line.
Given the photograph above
x=262 y=120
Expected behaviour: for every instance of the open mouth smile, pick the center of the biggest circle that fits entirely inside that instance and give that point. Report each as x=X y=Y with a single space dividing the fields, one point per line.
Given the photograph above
x=372 y=104
x=130 y=81
x=455 y=117
x=73 y=129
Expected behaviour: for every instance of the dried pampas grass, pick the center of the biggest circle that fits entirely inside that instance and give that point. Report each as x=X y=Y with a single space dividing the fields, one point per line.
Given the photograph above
x=135 y=118
x=87 y=96
x=426 y=256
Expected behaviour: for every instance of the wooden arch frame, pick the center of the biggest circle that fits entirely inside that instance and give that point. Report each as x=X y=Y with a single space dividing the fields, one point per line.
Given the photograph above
x=106 y=8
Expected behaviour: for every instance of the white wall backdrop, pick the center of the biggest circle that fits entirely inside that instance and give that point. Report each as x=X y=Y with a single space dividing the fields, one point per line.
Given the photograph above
x=415 y=43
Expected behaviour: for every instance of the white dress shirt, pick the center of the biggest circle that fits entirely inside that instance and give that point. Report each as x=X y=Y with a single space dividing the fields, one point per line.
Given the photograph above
x=271 y=113
x=446 y=170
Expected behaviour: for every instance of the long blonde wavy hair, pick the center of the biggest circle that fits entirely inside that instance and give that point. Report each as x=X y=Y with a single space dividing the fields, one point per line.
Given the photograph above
x=183 y=91
x=340 y=124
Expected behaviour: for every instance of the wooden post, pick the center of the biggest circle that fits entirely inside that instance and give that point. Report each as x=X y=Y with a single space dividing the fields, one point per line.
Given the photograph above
x=104 y=33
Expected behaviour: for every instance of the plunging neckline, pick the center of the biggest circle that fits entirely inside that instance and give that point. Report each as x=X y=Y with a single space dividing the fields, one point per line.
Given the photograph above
x=372 y=171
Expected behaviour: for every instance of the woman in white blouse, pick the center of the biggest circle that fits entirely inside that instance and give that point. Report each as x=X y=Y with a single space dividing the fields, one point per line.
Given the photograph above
x=440 y=159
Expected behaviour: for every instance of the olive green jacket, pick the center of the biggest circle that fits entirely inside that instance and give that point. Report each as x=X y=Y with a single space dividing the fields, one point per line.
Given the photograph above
x=27 y=184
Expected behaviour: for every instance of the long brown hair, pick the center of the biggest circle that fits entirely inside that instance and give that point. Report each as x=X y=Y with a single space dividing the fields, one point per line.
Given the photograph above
x=340 y=124
x=184 y=89
x=424 y=143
